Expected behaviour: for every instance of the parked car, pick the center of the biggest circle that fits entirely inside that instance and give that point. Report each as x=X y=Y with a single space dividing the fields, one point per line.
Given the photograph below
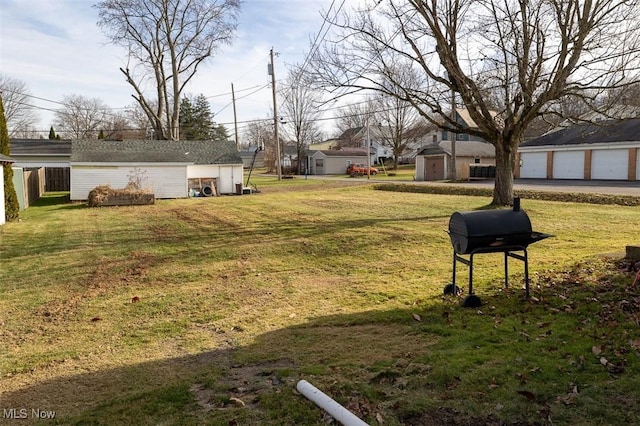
x=360 y=169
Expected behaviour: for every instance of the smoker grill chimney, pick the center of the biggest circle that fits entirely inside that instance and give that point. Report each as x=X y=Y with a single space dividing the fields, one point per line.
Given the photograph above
x=516 y=204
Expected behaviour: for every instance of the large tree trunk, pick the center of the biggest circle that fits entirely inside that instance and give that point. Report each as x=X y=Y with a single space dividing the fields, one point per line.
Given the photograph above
x=503 y=188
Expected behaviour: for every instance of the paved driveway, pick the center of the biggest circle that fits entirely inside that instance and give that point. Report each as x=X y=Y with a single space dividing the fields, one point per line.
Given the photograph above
x=583 y=186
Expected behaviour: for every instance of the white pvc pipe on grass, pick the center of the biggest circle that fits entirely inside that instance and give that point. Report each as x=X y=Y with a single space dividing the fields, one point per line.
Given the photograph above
x=337 y=411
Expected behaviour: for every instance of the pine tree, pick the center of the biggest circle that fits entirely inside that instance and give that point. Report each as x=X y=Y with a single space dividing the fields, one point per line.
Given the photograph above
x=52 y=133
x=11 y=206
x=196 y=120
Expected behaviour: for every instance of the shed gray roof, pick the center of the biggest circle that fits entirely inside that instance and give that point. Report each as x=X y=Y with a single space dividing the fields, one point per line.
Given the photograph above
x=142 y=151
x=41 y=147
x=5 y=159
x=463 y=149
x=344 y=152
x=586 y=133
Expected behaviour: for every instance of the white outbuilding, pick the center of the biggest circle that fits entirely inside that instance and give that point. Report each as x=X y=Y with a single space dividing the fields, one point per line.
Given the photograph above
x=170 y=169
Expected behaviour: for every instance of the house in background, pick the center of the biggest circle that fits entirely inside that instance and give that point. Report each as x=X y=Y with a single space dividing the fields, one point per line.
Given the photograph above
x=4 y=160
x=252 y=155
x=433 y=159
x=437 y=135
x=170 y=169
x=372 y=137
x=607 y=150
x=325 y=145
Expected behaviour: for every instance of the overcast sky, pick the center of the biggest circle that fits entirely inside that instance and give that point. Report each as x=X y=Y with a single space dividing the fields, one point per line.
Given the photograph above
x=56 y=48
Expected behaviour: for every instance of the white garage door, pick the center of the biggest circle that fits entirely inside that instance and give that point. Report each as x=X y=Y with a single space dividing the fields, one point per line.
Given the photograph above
x=534 y=165
x=610 y=164
x=568 y=165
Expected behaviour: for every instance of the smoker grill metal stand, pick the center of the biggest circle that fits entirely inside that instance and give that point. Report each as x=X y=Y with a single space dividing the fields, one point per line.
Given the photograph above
x=509 y=251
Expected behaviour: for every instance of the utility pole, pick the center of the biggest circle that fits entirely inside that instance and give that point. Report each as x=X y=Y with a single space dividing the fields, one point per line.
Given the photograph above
x=368 y=149
x=275 y=114
x=452 y=137
x=235 y=117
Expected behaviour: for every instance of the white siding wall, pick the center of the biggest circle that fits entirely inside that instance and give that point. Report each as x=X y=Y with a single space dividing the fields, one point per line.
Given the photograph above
x=420 y=165
x=534 y=165
x=166 y=181
x=568 y=165
x=610 y=164
x=638 y=164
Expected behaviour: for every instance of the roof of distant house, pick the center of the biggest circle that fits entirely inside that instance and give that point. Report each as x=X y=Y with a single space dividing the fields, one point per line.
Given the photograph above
x=51 y=147
x=345 y=152
x=590 y=133
x=154 y=151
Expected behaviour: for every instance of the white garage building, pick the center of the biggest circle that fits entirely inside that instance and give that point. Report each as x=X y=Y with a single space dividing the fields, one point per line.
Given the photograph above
x=604 y=151
x=170 y=169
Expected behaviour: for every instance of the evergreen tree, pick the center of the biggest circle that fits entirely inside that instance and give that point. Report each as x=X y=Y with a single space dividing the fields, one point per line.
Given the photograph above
x=52 y=133
x=11 y=206
x=220 y=133
x=196 y=120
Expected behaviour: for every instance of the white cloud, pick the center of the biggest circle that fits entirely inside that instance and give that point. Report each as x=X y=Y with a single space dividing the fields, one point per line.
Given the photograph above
x=56 y=48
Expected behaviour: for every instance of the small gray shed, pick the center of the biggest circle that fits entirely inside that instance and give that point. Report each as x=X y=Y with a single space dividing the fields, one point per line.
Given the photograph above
x=335 y=161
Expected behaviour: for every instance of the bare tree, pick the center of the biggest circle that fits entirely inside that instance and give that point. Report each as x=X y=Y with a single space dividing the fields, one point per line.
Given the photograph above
x=119 y=125
x=396 y=116
x=300 y=109
x=81 y=117
x=260 y=134
x=20 y=115
x=352 y=117
x=140 y=124
x=168 y=40
x=506 y=61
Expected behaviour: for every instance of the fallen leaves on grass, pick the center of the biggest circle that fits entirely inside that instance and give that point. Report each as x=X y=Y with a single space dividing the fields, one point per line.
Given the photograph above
x=529 y=395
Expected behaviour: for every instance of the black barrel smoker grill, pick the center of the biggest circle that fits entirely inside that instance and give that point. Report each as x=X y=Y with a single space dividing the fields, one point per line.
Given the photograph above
x=491 y=231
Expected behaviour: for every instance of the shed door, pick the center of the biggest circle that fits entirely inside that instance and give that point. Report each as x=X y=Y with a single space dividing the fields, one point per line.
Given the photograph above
x=434 y=167
x=610 y=164
x=568 y=165
x=319 y=166
x=534 y=165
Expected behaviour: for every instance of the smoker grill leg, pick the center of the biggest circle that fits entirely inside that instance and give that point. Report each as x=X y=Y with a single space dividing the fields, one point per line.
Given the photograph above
x=506 y=269
x=471 y=274
x=526 y=273
x=453 y=281
x=452 y=289
x=525 y=258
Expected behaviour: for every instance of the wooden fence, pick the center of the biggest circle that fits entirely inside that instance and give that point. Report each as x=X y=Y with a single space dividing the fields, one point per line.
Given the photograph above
x=57 y=179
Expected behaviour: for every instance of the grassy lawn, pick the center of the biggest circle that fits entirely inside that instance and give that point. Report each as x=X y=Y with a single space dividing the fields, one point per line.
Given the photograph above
x=209 y=311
